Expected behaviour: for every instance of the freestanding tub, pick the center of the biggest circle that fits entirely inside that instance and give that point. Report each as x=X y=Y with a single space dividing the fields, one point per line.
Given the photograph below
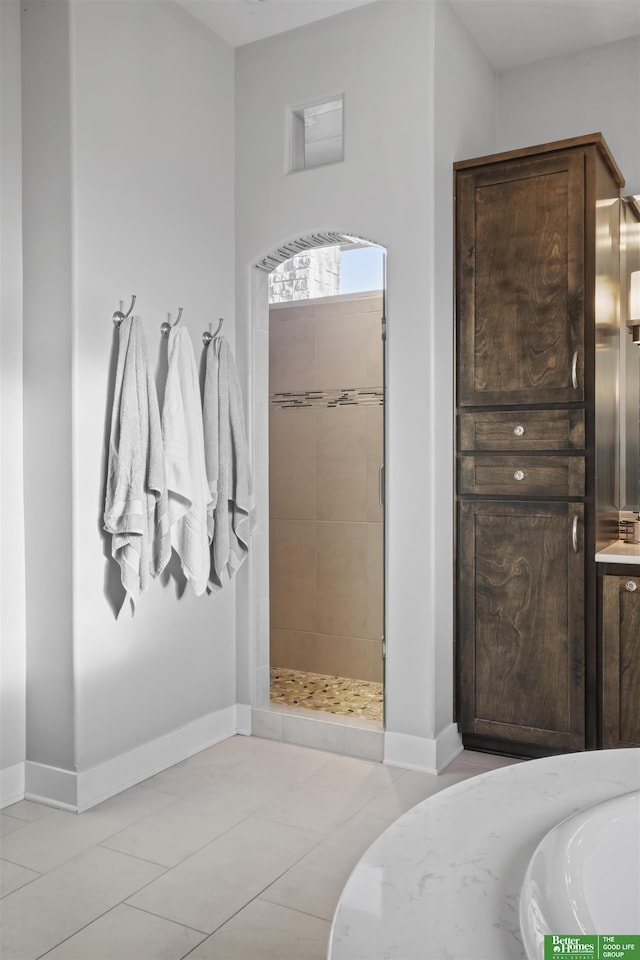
x=584 y=877
x=444 y=881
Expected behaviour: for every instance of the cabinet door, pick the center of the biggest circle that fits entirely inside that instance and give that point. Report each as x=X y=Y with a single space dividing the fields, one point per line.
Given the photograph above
x=521 y=622
x=621 y=661
x=520 y=281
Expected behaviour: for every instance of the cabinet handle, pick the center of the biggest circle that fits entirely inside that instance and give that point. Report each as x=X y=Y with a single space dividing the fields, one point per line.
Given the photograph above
x=574 y=370
x=518 y=475
x=574 y=534
x=630 y=585
x=519 y=430
x=381 y=485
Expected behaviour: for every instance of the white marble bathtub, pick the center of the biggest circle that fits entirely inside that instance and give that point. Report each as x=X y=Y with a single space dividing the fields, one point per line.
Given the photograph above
x=443 y=882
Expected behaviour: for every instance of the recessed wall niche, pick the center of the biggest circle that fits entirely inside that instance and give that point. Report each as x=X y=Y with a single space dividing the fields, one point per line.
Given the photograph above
x=317 y=134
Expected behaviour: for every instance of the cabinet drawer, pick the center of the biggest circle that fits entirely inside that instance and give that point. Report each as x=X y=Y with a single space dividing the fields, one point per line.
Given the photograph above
x=513 y=476
x=522 y=430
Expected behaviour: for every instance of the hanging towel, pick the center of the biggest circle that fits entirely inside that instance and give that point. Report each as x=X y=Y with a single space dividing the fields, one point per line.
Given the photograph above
x=186 y=479
x=135 y=512
x=231 y=514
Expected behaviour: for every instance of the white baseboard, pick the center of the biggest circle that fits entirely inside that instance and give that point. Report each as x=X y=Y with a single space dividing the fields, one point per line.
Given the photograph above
x=419 y=753
x=80 y=791
x=243 y=719
x=12 y=784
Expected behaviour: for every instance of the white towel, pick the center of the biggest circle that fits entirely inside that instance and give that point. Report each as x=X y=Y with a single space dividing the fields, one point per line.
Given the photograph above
x=135 y=512
x=231 y=514
x=186 y=479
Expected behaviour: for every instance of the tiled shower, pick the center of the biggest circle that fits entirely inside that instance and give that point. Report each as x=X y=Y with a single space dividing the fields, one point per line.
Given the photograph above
x=325 y=516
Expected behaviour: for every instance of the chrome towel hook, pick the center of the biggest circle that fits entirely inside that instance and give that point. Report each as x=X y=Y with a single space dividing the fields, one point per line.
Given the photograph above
x=207 y=336
x=166 y=326
x=119 y=316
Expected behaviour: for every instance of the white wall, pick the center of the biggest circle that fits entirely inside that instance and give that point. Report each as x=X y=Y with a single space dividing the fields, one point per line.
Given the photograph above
x=149 y=207
x=381 y=57
x=465 y=120
x=12 y=589
x=48 y=443
x=592 y=91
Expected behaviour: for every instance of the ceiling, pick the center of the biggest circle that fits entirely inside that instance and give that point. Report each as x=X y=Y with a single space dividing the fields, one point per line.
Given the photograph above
x=243 y=21
x=510 y=32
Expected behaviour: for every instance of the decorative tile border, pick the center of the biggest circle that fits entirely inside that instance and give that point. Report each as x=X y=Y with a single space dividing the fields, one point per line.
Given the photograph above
x=348 y=397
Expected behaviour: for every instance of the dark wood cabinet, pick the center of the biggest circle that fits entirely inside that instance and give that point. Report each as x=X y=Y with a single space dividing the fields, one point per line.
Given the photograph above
x=533 y=354
x=520 y=262
x=620 y=658
x=521 y=614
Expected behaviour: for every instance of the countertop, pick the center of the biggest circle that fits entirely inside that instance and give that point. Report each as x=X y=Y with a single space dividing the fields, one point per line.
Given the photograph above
x=619 y=552
x=443 y=881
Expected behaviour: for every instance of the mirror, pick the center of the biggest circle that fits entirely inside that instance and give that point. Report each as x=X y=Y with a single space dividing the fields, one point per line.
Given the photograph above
x=629 y=359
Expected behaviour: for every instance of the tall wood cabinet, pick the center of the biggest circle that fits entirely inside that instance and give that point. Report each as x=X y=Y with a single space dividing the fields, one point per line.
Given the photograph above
x=536 y=331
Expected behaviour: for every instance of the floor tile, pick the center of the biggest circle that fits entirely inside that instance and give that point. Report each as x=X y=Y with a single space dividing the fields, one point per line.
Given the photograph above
x=28 y=810
x=408 y=790
x=318 y=808
x=225 y=755
x=189 y=823
x=280 y=765
x=332 y=795
x=44 y=844
x=213 y=884
x=348 y=774
x=45 y=912
x=10 y=824
x=472 y=762
x=314 y=884
x=128 y=934
x=266 y=931
x=12 y=877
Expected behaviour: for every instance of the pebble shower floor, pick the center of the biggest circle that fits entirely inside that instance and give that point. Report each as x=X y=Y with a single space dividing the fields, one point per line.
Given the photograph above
x=339 y=695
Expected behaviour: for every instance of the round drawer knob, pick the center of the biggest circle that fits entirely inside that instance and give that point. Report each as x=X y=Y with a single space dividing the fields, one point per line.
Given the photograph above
x=519 y=430
x=631 y=585
x=518 y=475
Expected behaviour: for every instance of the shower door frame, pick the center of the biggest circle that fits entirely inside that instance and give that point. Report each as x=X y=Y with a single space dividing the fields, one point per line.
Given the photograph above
x=253 y=618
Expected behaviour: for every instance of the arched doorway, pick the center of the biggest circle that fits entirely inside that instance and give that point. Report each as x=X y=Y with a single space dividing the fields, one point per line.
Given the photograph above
x=324 y=415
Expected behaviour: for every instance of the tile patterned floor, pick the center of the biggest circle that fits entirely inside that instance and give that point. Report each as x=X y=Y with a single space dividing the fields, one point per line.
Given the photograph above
x=239 y=853
x=353 y=698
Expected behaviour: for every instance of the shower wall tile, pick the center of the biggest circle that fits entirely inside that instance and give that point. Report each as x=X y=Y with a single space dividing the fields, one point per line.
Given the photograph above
x=292 y=463
x=292 y=354
x=374 y=457
x=354 y=657
x=364 y=304
x=342 y=463
x=295 y=650
x=341 y=352
x=342 y=579
x=326 y=521
x=293 y=574
x=302 y=310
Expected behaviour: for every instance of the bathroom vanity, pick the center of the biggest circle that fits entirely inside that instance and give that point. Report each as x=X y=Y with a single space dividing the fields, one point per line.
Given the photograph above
x=619 y=595
x=538 y=332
